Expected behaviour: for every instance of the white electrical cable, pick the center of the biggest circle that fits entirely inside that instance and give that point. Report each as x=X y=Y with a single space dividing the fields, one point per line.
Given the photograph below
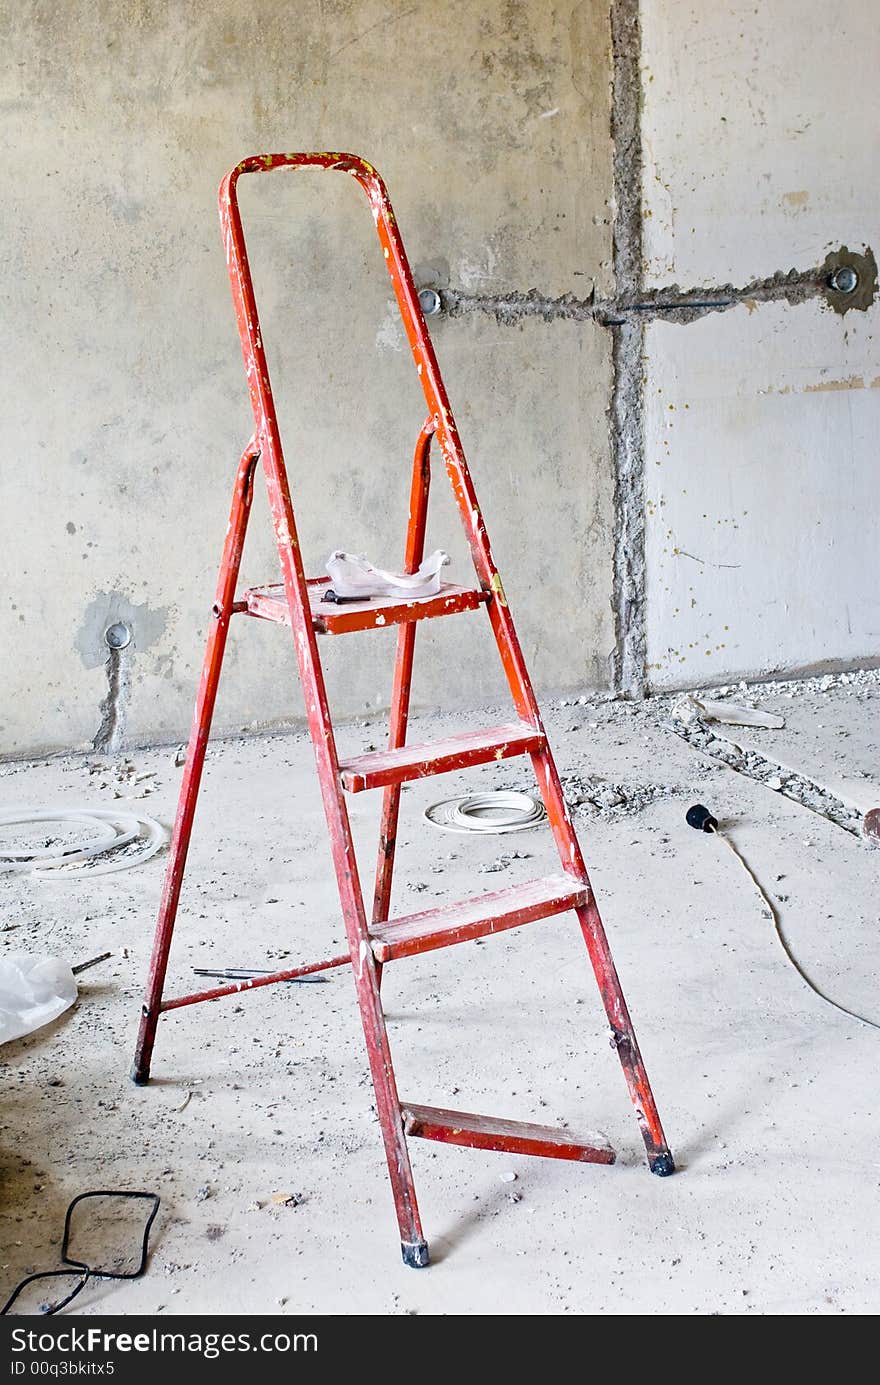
x=507 y=810
x=114 y=829
x=107 y=836
x=780 y=936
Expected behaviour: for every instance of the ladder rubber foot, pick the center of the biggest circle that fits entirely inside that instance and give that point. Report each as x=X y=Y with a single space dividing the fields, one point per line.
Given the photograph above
x=415 y=1254
x=139 y=1076
x=662 y=1164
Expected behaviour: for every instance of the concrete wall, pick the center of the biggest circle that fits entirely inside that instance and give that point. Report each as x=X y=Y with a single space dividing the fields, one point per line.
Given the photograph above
x=747 y=545
x=761 y=424
x=123 y=405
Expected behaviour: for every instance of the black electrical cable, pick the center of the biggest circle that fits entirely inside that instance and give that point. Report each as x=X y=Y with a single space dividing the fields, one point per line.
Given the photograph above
x=86 y=1271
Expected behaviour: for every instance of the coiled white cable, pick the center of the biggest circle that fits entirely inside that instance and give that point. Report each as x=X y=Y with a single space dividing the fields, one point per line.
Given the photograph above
x=507 y=810
x=112 y=829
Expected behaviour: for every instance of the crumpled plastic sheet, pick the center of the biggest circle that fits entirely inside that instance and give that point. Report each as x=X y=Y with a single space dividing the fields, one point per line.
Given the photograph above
x=34 y=990
x=689 y=708
x=353 y=575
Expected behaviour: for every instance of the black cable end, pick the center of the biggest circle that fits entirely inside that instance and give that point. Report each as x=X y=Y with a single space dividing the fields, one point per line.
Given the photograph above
x=701 y=819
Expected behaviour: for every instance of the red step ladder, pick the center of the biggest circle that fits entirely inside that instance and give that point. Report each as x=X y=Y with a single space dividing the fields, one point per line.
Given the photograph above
x=298 y=603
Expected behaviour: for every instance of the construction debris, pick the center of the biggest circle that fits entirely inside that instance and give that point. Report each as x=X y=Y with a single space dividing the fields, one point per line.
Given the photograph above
x=757 y=766
x=689 y=707
x=503 y=861
x=593 y=796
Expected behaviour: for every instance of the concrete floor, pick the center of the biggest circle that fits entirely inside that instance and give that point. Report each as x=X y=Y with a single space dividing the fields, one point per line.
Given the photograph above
x=767 y=1094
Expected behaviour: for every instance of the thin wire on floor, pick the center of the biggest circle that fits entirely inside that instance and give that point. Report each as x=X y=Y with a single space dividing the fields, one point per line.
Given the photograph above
x=700 y=818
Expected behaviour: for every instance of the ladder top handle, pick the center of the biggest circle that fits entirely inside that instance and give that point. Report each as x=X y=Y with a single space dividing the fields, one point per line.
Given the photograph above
x=396 y=263
x=389 y=237
x=359 y=168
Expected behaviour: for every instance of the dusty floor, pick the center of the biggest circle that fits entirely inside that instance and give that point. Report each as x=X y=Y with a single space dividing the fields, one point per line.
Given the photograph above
x=769 y=1097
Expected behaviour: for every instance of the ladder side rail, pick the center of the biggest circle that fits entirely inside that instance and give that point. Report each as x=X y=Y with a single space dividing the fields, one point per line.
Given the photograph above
x=221 y=614
x=403 y=665
x=320 y=725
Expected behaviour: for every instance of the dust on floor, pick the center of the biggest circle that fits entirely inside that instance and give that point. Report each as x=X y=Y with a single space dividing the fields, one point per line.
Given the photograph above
x=767 y=1096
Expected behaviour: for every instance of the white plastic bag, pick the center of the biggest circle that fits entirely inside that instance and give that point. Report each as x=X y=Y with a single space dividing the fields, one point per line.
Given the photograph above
x=353 y=575
x=734 y=714
x=33 y=991
x=689 y=708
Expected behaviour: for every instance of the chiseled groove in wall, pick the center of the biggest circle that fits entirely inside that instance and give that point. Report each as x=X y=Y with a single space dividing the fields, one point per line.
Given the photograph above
x=108 y=739
x=626 y=412
x=668 y=304
x=627 y=314
x=629 y=659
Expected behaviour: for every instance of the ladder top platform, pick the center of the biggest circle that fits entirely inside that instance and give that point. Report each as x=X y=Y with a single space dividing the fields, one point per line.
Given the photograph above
x=332 y=618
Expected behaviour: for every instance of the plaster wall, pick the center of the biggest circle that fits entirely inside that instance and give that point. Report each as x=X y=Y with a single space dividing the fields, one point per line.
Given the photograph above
x=761 y=423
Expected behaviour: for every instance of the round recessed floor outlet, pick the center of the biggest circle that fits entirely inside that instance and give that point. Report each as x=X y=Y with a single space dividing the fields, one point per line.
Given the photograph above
x=118 y=635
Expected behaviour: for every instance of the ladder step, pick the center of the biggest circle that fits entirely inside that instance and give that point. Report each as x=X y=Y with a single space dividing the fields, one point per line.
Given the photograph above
x=511 y=1137
x=417 y=761
x=474 y=918
x=328 y=618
